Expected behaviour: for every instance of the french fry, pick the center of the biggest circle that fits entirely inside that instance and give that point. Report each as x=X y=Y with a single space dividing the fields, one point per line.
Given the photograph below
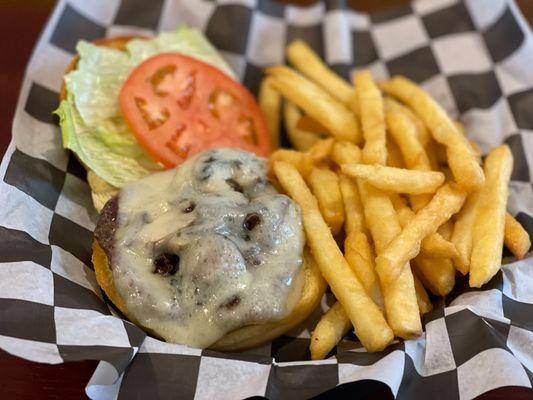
x=307 y=123
x=335 y=323
x=324 y=184
x=437 y=274
x=403 y=130
x=300 y=139
x=400 y=296
x=360 y=256
x=433 y=245
x=370 y=325
x=321 y=150
x=424 y=304
x=394 y=107
x=303 y=162
x=305 y=60
x=476 y=150
x=516 y=238
x=462 y=233
x=317 y=103
x=372 y=118
x=345 y=152
x=461 y=159
x=396 y=180
x=460 y=127
x=406 y=246
x=329 y=330
x=270 y=103
x=488 y=232
x=354 y=219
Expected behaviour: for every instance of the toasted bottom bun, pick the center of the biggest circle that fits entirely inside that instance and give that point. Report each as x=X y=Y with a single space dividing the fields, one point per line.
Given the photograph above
x=243 y=338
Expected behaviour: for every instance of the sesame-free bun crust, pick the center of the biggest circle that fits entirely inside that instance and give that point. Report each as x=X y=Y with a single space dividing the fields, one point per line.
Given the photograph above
x=243 y=338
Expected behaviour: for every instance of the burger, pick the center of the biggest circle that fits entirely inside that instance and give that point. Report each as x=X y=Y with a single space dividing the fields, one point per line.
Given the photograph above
x=193 y=243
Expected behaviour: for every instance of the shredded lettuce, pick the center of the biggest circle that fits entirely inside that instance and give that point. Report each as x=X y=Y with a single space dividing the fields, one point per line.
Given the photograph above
x=90 y=119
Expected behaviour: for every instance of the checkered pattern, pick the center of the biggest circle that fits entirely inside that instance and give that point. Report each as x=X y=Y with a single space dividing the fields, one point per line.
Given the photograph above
x=476 y=60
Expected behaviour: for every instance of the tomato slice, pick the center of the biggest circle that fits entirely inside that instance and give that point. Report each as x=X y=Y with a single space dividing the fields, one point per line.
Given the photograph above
x=177 y=106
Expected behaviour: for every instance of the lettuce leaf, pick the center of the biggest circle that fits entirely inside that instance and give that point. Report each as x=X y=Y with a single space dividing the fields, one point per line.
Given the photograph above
x=108 y=149
x=90 y=119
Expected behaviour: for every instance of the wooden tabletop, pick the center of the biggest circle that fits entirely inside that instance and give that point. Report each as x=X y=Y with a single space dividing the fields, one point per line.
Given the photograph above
x=20 y=25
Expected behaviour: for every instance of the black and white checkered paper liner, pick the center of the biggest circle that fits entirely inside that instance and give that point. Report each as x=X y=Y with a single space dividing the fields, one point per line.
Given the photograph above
x=475 y=57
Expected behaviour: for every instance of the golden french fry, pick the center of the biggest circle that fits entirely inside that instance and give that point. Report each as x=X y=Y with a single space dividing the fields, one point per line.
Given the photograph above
x=447 y=201
x=460 y=127
x=360 y=256
x=433 y=245
x=516 y=238
x=437 y=274
x=476 y=150
x=329 y=330
x=403 y=130
x=303 y=162
x=370 y=325
x=394 y=156
x=305 y=60
x=424 y=304
x=345 y=152
x=317 y=103
x=461 y=159
x=300 y=139
x=400 y=298
x=372 y=118
x=396 y=180
x=321 y=150
x=489 y=225
x=307 y=123
x=324 y=184
x=270 y=103
x=354 y=218
x=462 y=233
x=394 y=107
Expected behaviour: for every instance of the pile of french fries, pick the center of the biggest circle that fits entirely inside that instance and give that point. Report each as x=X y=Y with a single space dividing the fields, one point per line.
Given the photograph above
x=394 y=198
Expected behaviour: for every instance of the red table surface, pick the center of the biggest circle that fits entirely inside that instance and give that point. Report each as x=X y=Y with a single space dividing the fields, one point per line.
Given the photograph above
x=20 y=25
